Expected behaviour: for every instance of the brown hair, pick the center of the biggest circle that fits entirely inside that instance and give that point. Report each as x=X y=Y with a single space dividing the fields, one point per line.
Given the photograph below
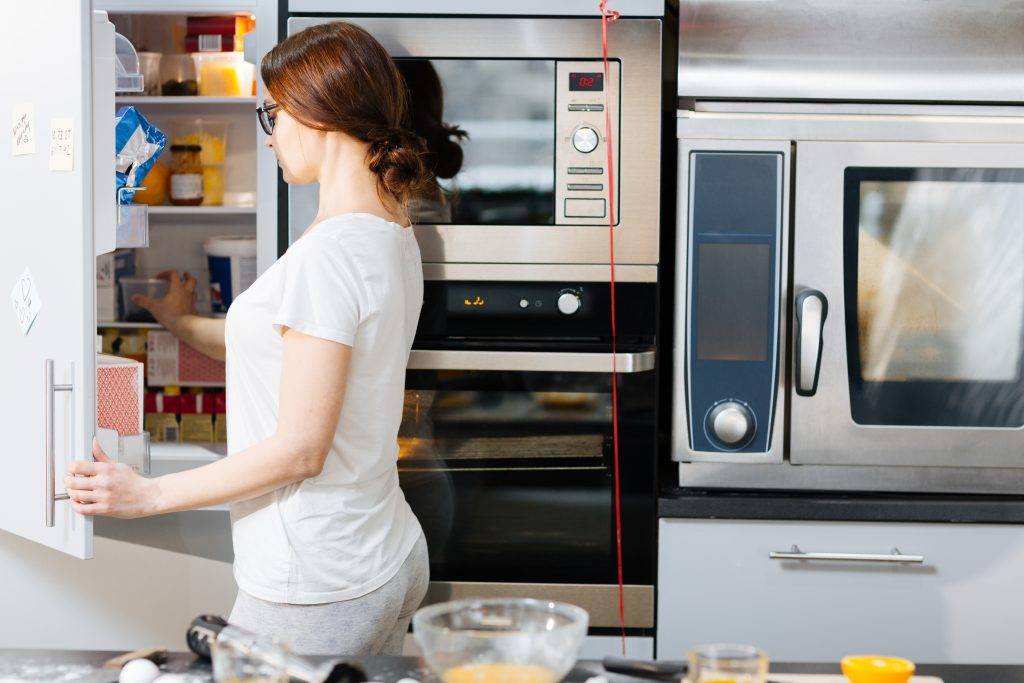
x=336 y=77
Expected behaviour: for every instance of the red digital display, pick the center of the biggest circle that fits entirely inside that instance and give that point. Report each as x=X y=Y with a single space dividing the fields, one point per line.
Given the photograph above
x=593 y=82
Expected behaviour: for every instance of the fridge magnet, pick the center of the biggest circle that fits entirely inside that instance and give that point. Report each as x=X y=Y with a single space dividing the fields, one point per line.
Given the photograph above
x=23 y=134
x=62 y=145
x=26 y=301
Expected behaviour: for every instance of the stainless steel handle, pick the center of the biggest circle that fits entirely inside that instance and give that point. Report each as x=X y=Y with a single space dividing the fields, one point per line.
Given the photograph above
x=51 y=485
x=894 y=557
x=811 y=310
x=531 y=361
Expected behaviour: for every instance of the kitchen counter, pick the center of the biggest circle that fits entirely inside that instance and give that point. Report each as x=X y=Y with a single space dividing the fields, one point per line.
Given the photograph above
x=818 y=506
x=390 y=669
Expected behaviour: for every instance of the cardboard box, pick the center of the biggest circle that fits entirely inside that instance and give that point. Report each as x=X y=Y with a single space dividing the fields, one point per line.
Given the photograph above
x=119 y=389
x=171 y=362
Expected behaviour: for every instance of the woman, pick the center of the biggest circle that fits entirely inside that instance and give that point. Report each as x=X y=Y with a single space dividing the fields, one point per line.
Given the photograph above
x=328 y=554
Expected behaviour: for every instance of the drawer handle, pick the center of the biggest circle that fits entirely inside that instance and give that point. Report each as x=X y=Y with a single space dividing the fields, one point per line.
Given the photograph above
x=894 y=557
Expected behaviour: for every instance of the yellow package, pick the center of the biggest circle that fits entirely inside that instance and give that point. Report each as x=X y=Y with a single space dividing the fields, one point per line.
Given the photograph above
x=162 y=427
x=197 y=428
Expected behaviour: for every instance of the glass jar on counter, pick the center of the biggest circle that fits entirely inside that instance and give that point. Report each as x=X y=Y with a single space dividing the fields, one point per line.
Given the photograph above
x=186 y=175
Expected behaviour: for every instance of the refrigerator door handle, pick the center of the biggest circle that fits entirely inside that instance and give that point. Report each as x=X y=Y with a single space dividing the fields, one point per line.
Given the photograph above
x=51 y=485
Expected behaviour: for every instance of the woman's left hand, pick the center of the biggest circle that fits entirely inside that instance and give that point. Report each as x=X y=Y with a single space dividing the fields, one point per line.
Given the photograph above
x=108 y=488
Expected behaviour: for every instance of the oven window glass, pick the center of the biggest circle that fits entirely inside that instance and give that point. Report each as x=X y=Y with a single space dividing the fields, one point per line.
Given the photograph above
x=489 y=125
x=510 y=474
x=939 y=294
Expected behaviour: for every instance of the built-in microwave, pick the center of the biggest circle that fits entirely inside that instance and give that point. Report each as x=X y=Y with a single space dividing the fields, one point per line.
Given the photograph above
x=850 y=297
x=528 y=96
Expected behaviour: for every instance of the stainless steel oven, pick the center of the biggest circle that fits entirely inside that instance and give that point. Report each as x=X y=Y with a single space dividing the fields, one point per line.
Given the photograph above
x=529 y=94
x=850 y=274
x=506 y=450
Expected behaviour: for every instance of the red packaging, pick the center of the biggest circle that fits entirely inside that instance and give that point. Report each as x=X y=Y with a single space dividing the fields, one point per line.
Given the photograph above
x=119 y=385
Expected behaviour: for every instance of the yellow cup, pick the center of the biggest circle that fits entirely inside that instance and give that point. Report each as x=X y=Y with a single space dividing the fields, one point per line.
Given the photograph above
x=877 y=669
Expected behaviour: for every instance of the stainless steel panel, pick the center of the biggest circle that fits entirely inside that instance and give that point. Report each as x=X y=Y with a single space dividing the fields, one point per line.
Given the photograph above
x=475 y=7
x=680 y=423
x=821 y=427
x=536 y=272
x=530 y=361
x=600 y=600
x=879 y=123
x=636 y=42
x=894 y=479
x=911 y=50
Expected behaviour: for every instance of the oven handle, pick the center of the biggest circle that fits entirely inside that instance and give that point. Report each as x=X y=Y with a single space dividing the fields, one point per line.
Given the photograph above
x=530 y=361
x=811 y=310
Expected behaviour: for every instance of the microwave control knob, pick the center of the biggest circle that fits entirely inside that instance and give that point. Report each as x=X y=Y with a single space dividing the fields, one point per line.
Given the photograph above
x=569 y=303
x=732 y=424
x=585 y=139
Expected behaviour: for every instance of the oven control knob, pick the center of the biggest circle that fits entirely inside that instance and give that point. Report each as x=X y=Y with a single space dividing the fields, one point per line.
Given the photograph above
x=585 y=139
x=569 y=303
x=731 y=423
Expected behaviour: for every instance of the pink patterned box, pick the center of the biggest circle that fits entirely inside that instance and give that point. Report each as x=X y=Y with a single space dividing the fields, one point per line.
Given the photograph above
x=169 y=361
x=119 y=388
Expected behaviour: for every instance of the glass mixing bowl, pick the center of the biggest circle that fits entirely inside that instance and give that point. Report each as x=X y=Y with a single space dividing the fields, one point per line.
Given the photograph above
x=500 y=640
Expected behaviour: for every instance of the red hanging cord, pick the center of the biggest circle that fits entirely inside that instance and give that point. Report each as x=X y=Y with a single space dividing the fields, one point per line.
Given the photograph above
x=607 y=17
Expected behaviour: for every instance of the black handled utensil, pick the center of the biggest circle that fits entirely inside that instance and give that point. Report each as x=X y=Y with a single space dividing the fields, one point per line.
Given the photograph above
x=665 y=670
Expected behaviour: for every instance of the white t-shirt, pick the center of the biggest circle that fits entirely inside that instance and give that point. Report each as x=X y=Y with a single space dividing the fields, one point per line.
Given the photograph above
x=355 y=279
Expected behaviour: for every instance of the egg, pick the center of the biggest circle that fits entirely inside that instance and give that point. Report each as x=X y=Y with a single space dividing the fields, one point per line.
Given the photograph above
x=139 y=671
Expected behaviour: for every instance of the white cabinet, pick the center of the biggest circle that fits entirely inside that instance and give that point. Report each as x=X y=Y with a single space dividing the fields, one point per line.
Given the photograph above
x=963 y=603
x=57 y=69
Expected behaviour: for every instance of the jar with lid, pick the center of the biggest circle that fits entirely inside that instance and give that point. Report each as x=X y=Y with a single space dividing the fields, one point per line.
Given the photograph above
x=186 y=175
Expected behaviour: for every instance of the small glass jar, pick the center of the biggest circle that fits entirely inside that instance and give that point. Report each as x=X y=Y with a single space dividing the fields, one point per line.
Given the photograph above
x=186 y=175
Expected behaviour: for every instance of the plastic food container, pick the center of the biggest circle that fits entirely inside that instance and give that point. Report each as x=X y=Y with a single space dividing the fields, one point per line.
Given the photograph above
x=152 y=287
x=210 y=133
x=127 y=76
x=178 y=75
x=224 y=74
x=232 y=261
x=149 y=64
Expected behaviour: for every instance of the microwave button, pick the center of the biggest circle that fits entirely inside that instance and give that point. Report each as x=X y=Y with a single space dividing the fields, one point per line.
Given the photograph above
x=569 y=302
x=585 y=170
x=584 y=208
x=585 y=139
x=586 y=107
x=731 y=424
x=585 y=186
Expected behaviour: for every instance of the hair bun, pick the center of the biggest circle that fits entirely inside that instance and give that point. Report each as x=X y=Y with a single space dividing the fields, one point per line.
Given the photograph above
x=396 y=157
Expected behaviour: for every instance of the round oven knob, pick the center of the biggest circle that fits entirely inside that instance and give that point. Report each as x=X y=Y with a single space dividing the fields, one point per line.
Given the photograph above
x=569 y=303
x=731 y=423
x=585 y=139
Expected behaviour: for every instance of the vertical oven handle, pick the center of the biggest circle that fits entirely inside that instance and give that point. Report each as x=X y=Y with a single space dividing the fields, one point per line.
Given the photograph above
x=811 y=309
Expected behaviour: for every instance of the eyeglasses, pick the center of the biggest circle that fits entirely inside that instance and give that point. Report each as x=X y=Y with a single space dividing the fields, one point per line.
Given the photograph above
x=266 y=120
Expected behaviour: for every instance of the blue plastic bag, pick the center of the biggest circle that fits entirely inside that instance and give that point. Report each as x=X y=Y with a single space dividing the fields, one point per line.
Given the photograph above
x=138 y=144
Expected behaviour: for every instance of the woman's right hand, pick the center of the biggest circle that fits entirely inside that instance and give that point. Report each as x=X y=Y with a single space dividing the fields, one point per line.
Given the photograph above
x=179 y=301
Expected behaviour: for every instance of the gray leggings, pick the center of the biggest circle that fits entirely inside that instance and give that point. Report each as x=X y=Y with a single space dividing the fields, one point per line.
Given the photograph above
x=374 y=624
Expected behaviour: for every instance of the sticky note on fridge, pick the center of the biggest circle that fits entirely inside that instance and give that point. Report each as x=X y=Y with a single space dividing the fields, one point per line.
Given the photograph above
x=62 y=145
x=23 y=130
x=26 y=301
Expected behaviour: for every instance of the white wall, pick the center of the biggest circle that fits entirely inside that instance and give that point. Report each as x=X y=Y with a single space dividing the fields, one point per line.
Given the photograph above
x=130 y=596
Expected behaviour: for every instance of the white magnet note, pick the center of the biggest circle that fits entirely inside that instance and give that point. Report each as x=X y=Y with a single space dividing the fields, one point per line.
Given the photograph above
x=62 y=145
x=23 y=130
x=26 y=301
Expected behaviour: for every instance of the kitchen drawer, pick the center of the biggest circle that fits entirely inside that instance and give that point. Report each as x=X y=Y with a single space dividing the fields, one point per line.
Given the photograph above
x=963 y=603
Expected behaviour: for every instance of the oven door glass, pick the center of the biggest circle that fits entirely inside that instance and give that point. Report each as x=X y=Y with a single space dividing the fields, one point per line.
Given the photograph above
x=489 y=125
x=935 y=295
x=510 y=474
